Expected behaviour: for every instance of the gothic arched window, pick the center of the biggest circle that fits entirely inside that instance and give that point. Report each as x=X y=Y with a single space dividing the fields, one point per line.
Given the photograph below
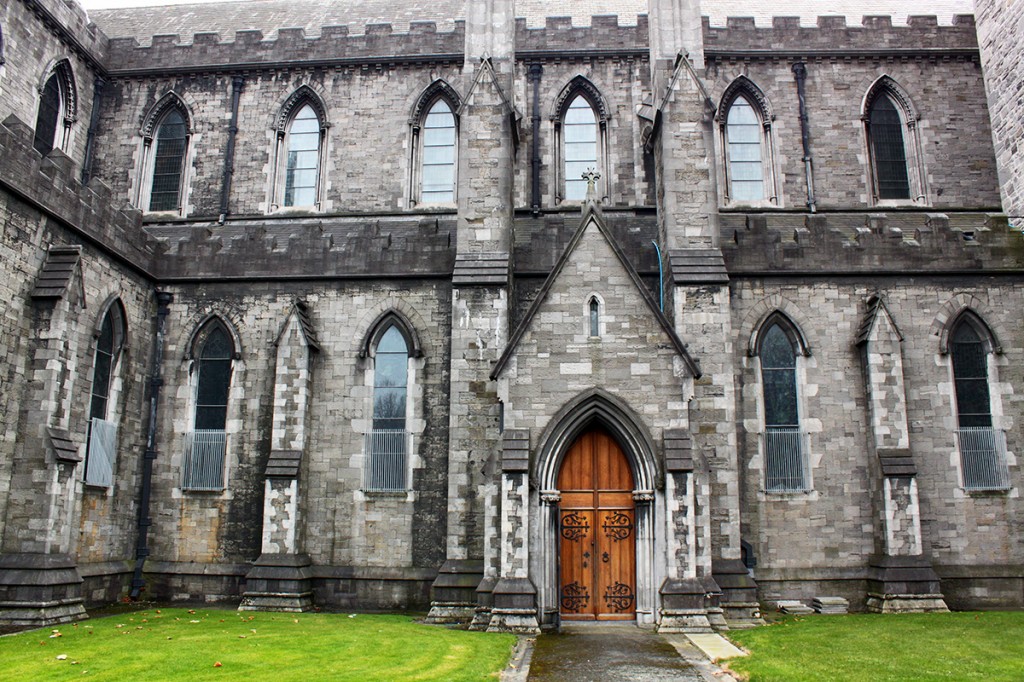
x=213 y=354
x=579 y=147
x=743 y=133
x=745 y=124
x=56 y=109
x=895 y=168
x=982 y=447
x=888 y=151
x=785 y=464
x=388 y=442
x=169 y=162
x=439 y=139
x=101 y=450
x=302 y=159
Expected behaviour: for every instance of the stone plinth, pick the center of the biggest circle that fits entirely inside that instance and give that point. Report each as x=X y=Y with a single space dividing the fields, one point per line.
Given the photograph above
x=278 y=582
x=39 y=590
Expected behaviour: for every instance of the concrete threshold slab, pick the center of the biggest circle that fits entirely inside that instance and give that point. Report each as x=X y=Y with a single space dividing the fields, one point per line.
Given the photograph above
x=715 y=647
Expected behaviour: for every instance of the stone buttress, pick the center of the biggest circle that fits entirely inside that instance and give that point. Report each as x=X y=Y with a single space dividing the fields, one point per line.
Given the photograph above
x=479 y=300
x=39 y=579
x=900 y=575
x=280 y=578
x=698 y=301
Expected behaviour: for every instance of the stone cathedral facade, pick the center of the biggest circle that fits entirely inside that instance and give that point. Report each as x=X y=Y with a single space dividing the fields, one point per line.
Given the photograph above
x=652 y=315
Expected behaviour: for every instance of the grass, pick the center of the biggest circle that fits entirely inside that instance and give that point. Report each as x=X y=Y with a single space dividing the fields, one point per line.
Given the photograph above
x=210 y=644
x=939 y=646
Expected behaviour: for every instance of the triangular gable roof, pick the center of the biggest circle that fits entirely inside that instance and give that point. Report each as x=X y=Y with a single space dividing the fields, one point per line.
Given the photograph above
x=301 y=313
x=875 y=306
x=592 y=215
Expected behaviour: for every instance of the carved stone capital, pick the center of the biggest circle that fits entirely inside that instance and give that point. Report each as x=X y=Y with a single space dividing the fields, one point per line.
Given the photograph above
x=643 y=496
x=550 y=497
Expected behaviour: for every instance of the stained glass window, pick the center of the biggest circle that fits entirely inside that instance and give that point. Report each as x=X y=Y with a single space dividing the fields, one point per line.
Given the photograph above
x=438 y=165
x=579 y=131
x=888 y=151
x=302 y=160
x=168 y=162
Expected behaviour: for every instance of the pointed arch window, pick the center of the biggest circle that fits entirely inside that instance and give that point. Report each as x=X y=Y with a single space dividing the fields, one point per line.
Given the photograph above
x=594 y=315
x=206 y=443
x=101 y=451
x=56 y=110
x=982 y=447
x=302 y=162
x=785 y=463
x=169 y=162
x=745 y=129
x=301 y=131
x=895 y=168
x=387 y=444
x=888 y=150
x=438 y=155
x=580 y=147
x=743 y=132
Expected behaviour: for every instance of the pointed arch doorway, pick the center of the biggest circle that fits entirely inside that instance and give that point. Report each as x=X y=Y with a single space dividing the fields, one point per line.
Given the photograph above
x=597 y=531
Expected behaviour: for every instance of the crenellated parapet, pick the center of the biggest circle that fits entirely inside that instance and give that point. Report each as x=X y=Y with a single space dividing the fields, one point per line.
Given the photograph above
x=71 y=23
x=91 y=211
x=606 y=34
x=333 y=247
x=882 y=243
x=291 y=46
x=833 y=37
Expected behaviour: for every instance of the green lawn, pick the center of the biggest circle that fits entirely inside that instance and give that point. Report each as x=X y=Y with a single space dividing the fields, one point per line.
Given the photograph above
x=939 y=646
x=182 y=644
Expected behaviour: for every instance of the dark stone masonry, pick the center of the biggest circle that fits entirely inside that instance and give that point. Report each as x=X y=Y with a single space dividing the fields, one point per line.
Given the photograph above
x=642 y=312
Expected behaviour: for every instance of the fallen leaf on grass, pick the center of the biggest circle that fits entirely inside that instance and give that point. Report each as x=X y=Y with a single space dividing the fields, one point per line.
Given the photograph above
x=217 y=664
x=62 y=657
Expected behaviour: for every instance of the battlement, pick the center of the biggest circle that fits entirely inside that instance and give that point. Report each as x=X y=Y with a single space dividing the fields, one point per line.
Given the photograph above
x=839 y=243
x=92 y=211
x=67 y=18
x=291 y=45
x=832 y=34
x=605 y=32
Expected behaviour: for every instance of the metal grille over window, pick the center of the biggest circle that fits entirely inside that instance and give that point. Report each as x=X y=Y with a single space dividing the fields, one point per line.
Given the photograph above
x=101 y=450
x=49 y=113
x=743 y=132
x=982 y=447
x=784 y=461
x=438 y=168
x=888 y=150
x=579 y=130
x=205 y=444
x=595 y=317
x=302 y=163
x=387 y=444
x=168 y=163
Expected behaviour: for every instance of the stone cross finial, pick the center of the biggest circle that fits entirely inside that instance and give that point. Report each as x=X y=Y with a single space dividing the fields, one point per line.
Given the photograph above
x=592 y=176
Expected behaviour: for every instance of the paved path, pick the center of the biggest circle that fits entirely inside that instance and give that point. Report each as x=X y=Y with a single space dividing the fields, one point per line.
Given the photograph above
x=610 y=653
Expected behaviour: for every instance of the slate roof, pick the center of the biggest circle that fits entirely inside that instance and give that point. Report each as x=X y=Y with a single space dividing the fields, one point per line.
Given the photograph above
x=225 y=18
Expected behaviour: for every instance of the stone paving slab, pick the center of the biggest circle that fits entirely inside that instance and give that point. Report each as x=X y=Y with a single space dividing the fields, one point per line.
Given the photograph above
x=608 y=653
x=715 y=647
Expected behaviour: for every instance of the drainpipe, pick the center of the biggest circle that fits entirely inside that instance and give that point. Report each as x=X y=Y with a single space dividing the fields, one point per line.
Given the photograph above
x=94 y=121
x=163 y=299
x=800 y=71
x=229 y=155
x=661 y=278
x=535 y=72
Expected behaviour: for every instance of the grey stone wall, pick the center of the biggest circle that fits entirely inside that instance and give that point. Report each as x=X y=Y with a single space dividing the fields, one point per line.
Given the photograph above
x=342 y=526
x=31 y=47
x=1000 y=25
x=827 y=534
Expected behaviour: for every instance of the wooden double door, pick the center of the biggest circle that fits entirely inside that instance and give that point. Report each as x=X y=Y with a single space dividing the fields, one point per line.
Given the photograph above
x=597 y=532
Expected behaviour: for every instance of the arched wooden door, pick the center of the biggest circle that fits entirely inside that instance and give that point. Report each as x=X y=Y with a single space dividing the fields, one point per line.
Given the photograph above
x=597 y=535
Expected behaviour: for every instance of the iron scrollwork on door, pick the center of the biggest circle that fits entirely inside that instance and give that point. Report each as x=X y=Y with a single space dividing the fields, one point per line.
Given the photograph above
x=619 y=597
x=617 y=526
x=574 y=597
x=574 y=526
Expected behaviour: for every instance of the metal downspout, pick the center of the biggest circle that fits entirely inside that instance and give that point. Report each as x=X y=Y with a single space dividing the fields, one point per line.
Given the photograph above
x=163 y=299
x=94 y=121
x=800 y=71
x=535 y=73
x=229 y=155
